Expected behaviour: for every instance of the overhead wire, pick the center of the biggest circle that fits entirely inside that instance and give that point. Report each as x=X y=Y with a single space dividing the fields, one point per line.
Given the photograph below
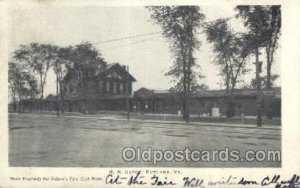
x=128 y=44
x=128 y=37
x=206 y=24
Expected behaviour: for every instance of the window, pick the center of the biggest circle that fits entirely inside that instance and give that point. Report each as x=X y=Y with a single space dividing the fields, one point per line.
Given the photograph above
x=201 y=103
x=115 y=88
x=90 y=86
x=71 y=88
x=107 y=86
x=66 y=88
x=121 y=87
x=240 y=105
x=129 y=88
x=78 y=86
x=101 y=83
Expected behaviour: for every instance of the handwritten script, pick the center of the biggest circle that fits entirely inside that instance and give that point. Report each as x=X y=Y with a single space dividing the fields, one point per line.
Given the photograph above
x=165 y=180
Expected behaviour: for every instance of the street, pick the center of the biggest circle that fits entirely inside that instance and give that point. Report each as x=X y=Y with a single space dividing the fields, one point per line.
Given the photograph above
x=50 y=141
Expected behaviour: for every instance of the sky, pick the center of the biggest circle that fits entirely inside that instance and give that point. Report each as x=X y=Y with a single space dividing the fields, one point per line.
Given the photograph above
x=148 y=57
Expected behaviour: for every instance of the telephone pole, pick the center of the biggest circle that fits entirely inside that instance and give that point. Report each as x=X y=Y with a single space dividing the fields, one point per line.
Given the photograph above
x=258 y=65
x=127 y=92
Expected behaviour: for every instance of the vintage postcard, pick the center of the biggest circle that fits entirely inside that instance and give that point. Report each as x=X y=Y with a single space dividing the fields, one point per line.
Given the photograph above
x=150 y=94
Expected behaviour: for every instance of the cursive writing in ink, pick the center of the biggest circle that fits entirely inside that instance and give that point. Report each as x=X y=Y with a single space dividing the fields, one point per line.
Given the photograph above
x=158 y=182
x=192 y=182
x=243 y=181
x=136 y=179
x=292 y=183
x=110 y=179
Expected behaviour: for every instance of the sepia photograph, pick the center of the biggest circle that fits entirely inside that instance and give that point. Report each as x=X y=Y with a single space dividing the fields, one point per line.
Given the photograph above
x=195 y=86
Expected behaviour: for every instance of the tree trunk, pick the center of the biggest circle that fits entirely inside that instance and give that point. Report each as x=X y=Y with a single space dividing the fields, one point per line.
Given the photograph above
x=20 y=105
x=184 y=104
x=184 y=94
x=230 y=104
x=268 y=101
x=258 y=92
x=57 y=102
x=42 y=93
x=183 y=107
x=14 y=103
x=187 y=120
x=188 y=93
x=15 y=106
x=228 y=98
x=269 y=65
x=41 y=86
x=83 y=95
x=189 y=65
x=228 y=112
x=61 y=97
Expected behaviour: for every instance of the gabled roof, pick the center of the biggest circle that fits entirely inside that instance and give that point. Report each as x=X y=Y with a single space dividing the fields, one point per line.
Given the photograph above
x=108 y=66
x=112 y=66
x=99 y=72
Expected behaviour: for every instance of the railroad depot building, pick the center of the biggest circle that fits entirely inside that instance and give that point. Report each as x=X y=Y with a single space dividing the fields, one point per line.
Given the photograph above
x=106 y=90
x=207 y=103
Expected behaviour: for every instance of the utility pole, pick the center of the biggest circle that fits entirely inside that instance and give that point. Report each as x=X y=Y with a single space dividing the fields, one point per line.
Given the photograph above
x=258 y=65
x=127 y=92
x=57 y=102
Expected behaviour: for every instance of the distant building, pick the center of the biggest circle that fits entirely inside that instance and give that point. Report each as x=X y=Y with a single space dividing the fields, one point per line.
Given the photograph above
x=206 y=103
x=106 y=90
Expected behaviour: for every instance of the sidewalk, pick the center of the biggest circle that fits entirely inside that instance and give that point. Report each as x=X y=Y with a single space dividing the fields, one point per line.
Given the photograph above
x=233 y=125
x=123 y=118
